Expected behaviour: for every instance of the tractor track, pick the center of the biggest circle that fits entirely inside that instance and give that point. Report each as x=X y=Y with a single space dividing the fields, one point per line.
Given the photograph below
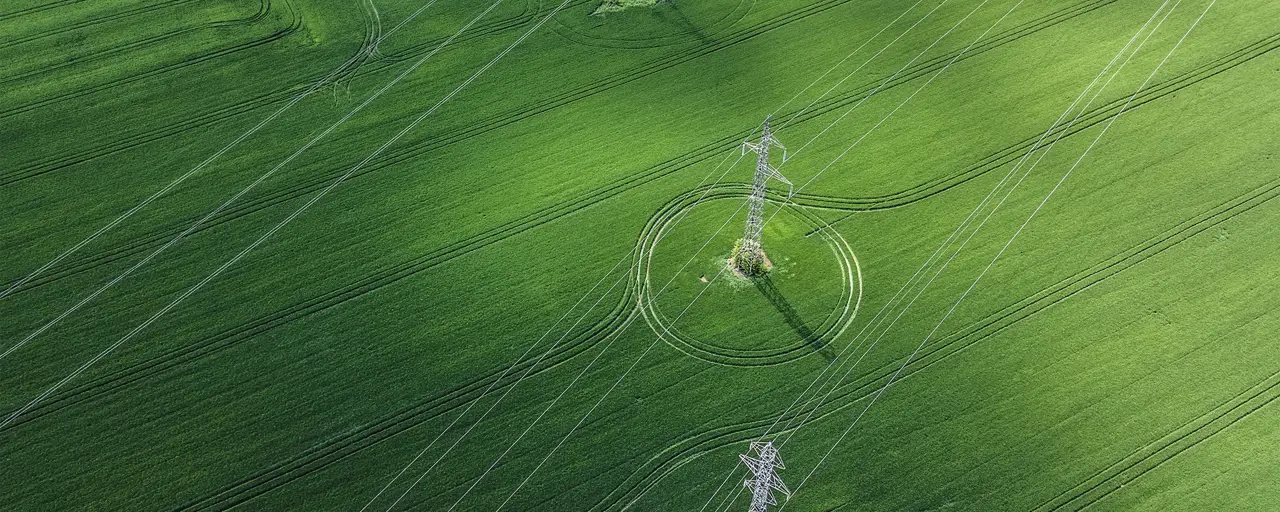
x=219 y=341
x=365 y=54
x=59 y=162
x=1194 y=431
x=147 y=242
x=824 y=332
x=1089 y=119
x=847 y=395
x=295 y=23
x=275 y=319
x=582 y=36
x=964 y=338
x=139 y=44
x=381 y=278
x=37 y=8
x=462 y=394
x=530 y=13
x=664 y=63
x=248 y=484
x=352 y=442
x=1186 y=436
x=722 y=436
x=128 y=13
x=376 y=61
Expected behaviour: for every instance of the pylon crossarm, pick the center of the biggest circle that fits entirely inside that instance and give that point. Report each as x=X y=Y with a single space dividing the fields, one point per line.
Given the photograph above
x=779 y=145
x=754 y=465
x=777 y=485
x=791 y=188
x=773 y=173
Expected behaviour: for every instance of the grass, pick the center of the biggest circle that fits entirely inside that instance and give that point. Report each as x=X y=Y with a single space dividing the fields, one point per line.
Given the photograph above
x=609 y=6
x=1118 y=356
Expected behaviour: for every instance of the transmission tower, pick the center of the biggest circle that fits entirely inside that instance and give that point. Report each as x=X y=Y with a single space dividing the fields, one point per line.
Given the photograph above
x=763 y=468
x=750 y=256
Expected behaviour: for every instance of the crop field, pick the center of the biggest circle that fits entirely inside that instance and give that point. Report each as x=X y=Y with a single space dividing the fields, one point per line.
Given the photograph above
x=479 y=255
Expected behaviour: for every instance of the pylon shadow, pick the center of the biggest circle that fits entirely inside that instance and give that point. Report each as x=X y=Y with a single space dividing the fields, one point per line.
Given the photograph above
x=774 y=296
x=681 y=19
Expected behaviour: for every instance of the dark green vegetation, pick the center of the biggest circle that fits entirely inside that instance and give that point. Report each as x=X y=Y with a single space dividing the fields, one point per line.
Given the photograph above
x=1121 y=355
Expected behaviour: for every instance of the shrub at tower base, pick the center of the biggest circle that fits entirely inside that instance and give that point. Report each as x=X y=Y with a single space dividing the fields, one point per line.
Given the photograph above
x=748 y=264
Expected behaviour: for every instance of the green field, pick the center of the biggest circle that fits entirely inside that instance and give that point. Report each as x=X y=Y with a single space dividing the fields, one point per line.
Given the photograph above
x=584 y=194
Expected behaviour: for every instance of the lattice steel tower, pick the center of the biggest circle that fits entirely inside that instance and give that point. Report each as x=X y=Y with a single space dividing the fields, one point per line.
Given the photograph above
x=750 y=256
x=764 y=468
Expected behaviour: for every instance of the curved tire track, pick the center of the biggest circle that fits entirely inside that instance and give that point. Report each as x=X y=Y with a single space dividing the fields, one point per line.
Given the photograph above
x=389 y=275
x=397 y=157
x=295 y=23
x=132 y=46
x=852 y=393
x=59 y=162
x=119 y=15
x=964 y=338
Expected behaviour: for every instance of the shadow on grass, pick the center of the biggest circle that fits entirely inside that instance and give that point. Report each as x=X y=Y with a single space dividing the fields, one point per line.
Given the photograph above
x=679 y=18
x=780 y=302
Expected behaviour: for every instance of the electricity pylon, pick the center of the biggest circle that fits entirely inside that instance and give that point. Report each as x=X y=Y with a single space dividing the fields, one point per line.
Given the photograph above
x=764 y=468
x=750 y=256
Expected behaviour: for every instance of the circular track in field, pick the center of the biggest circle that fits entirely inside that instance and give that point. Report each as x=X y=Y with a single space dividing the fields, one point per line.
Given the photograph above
x=668 y=23
x=809 y=300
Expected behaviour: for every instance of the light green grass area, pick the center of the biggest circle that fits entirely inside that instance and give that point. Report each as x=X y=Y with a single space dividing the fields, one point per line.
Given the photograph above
x=1119 y=355
x=608 y=6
